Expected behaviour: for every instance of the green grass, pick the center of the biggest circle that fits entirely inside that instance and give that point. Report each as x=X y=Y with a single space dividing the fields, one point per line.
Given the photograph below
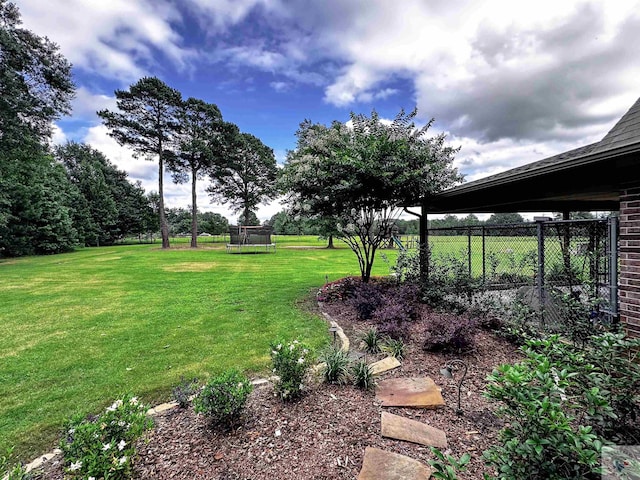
x=78 y=329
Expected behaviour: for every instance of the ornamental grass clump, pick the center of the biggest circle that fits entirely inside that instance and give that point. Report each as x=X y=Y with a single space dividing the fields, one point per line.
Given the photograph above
x=372 y=340
x=362 y=375
x=395 y=348
x=223 y=398
x=291 y=362
x=336 y=369
x=104 y=446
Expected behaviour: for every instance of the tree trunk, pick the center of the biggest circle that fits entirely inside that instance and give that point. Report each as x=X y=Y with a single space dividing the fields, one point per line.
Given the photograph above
x=194 y=211
x=164 y=228
x=330 y=242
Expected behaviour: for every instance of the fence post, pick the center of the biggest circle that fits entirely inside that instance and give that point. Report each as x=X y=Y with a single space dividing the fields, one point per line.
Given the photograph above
x=540 y=282
x=484 y=262
x=613 y=266
x=469 y=249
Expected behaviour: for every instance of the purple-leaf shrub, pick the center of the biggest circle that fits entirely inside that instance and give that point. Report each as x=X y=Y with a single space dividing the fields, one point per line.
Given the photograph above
x=448 y=332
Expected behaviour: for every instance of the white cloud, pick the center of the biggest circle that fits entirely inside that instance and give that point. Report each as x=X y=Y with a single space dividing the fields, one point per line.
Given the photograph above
x=280 y=86
x=86 y=104
x=113 y=39
x=224 y=13
x=58 y=137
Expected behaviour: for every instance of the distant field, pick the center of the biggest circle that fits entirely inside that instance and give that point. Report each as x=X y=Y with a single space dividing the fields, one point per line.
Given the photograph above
x=80 y=328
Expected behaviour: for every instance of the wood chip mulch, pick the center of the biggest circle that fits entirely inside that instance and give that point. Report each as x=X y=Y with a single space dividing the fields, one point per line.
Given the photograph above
x=323 y=435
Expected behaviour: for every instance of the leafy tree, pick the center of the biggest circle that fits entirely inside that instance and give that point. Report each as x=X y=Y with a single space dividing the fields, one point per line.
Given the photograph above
x=38 y=217
x=35 y=89
x=179 y=221
x=362 y=174
x=248 y=178
x=285 y=224
x=97 y=216
x=35 y=81
x=213 y=223
x=504 y=219
x=575 y=216
x=147 y=122
x=200 y=147
x=250 y=220
x=109 y=206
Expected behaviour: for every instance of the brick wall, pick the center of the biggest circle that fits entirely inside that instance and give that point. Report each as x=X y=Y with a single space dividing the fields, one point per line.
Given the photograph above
x=630 y=260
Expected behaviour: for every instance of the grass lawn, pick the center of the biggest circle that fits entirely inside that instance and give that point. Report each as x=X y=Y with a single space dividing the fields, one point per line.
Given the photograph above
x=78 y=329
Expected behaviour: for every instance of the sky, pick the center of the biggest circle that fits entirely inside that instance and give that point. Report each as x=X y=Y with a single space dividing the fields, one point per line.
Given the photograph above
x=508 y=82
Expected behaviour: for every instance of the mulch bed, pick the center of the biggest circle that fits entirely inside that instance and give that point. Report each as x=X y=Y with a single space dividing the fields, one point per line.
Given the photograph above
x=324 y=434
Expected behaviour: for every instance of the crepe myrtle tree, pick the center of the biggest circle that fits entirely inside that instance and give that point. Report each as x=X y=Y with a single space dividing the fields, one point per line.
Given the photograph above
x=363 y=173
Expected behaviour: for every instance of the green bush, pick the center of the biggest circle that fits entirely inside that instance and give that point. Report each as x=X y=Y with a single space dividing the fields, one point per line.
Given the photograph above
x=224 y=397
x=291 y=362
x=362 y=375
x=104 y=447
x=446 y=466
x=562 y=402
x=336 y=367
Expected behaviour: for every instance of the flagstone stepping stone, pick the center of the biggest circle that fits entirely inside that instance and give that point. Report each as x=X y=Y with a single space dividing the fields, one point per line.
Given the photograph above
x=409 y=392
x=382 y=465
x=384 y=365
x=400 y=428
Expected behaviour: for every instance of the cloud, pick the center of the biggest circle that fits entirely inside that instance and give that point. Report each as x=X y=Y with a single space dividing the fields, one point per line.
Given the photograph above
x=86 y=104
x=138 y=169
x=224 y=13
x=280 y=87
x=118 y=39
x=58 y=137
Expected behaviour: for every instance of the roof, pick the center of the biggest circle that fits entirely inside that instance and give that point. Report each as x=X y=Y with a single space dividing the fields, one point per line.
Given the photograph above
x=586 y=178
x=625 y=132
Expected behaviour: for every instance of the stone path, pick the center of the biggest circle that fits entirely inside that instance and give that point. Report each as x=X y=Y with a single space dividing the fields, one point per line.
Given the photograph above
x=402 y=392
x=380 y=464
x=409 y=392
x=421 y=392
x=400 y=428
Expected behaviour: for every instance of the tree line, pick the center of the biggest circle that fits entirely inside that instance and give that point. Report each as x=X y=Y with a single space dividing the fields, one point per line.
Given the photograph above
x=54 y=198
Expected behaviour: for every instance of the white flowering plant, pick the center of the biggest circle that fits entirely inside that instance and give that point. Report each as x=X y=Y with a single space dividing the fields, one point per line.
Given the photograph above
x=223 y=398
x=103 y=447
x=291 y=362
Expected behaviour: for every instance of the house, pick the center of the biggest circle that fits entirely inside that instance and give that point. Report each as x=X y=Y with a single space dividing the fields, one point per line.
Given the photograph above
x=601 y=176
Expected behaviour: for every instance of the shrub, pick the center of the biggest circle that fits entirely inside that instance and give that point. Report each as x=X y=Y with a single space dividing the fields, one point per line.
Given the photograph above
x=407 y=267
x=184 y=391
x=366 y=298
x=336 y=365
x=399 y=304
x=449 y=332
x=395 y=348
x=605 y=382
x=223 y=398
x=372 y=340
x=394 y=329
x=104 y=446
x=446 y=466
x=339 y=290
x=544 y=438
x=362 y=375
x=290 y=361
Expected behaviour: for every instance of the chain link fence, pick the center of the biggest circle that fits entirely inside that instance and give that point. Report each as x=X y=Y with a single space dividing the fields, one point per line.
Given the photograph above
x=539 y=261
